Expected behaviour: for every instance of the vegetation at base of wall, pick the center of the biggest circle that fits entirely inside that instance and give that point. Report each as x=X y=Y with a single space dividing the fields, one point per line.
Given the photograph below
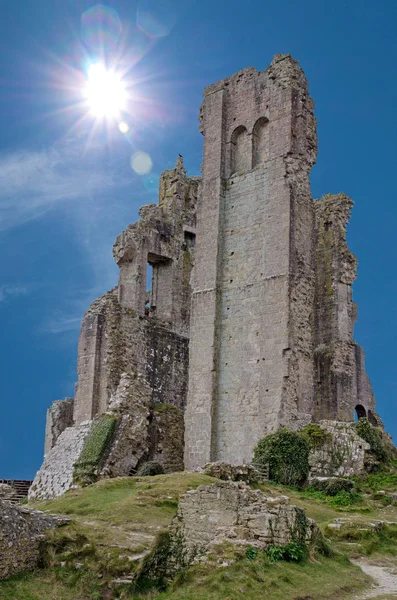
x=333 y=485
x=315 y=435
x=374 y=437
x=292 y=552
x=287 y=454
x=150 y=468
x=152 y=571
x=94 y=449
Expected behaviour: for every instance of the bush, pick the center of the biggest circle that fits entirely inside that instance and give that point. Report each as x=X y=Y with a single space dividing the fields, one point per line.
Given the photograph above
x=373 y=436
x=286 y=453
x=292 y=552
x=333 y=485
x=315 y=435
x=149 y=468
x=345 y=499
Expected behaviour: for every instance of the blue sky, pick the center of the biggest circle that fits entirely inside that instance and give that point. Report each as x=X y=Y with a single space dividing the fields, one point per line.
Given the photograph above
x=66 y=193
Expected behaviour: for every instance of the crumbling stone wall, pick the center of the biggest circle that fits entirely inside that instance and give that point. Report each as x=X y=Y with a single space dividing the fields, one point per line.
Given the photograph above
x=20 y=532
x=59 y=417
x=55 y=476
x=232 y=512
x=341 y=382
x=343 y=453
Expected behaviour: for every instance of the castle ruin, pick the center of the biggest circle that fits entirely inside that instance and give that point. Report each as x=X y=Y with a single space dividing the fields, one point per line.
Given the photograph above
x=249 y=320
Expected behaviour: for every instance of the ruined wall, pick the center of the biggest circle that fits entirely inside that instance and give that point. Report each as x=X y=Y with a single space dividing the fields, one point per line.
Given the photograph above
x=253 y=245
x=21 y=530
x=132 y=334
x=59 y=417
x=343 y=453
x=341 y=382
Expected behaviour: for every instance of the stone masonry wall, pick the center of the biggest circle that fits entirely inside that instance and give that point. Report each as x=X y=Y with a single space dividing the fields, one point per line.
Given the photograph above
x=232 y=512
x=20 y=532
x=59 y=417
x=253 y=252
x=341 y=382
x=342 y=455
x=56 y=474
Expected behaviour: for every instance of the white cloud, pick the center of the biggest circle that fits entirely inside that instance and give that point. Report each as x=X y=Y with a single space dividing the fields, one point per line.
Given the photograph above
x=7 y=291
x=34 y=182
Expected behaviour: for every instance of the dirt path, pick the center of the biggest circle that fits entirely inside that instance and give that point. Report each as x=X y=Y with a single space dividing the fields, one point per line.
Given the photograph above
x=385 y=577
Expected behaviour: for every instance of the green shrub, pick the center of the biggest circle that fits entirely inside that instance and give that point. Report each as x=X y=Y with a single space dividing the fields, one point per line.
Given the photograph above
x=251 y=553
x=374 y=437
x=94 y=449
x=333 y=485
x=345 y=499
x=292 y=552
x=315 y=435
x=286 y=453
x=149 y=468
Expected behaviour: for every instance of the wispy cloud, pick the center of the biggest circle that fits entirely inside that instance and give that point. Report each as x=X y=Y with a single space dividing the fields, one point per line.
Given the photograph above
x=9 y=291
x=34 y=182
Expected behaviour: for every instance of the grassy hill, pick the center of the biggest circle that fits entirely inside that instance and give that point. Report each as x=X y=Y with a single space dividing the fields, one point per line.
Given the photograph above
x=114 y=522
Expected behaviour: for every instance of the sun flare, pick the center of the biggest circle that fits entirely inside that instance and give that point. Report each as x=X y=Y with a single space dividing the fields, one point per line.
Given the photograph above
x=105 y=92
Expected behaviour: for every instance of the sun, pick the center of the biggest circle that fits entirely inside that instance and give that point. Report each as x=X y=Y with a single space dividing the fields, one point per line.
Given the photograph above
x=104 y=92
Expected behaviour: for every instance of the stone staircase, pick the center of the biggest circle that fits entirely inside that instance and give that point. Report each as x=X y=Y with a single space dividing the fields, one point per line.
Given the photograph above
x=21 y=487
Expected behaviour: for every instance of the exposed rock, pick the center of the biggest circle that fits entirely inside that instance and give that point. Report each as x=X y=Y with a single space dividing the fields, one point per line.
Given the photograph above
x=21 y=530
x=221 y=470
x=7 y=492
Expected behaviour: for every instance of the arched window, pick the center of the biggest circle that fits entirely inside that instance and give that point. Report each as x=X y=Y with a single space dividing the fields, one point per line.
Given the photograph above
x=260 y=141
x=359 y=412
x=240 y=151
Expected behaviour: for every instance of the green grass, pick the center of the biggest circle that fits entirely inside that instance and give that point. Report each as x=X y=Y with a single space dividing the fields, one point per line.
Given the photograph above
x=51 y=584
x=114 y=519
x=247 y=579
x=320 y=579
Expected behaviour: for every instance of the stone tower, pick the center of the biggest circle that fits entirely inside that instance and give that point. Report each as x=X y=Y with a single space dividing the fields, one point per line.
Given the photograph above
x=264 y=338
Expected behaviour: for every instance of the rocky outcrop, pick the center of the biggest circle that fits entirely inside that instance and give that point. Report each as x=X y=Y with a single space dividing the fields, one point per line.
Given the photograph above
x=246 y=473
x=21 y=530
x=7 y=492
x=343 y=453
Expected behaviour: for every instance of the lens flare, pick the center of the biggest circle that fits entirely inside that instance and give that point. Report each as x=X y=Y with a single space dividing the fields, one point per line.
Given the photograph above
x=105 y=92
x=123 y=127
x=101 y=28
x=141 y=163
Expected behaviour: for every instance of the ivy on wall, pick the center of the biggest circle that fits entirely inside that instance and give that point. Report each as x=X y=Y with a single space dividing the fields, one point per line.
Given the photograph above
x=94 y=449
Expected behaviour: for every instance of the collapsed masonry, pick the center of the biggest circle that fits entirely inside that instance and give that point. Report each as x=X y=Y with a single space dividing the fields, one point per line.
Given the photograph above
x=257 y=336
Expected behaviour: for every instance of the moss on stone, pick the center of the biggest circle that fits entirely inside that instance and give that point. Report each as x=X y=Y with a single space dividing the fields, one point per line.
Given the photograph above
x=94 y=449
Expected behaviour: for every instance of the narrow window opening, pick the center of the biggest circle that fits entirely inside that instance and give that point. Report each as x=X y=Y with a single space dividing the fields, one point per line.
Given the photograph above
x=240 y=159
x=190 y=239
x=260 y=141
x=149 y=286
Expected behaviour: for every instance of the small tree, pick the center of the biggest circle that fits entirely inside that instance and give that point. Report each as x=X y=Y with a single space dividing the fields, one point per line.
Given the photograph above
x=287 y=454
